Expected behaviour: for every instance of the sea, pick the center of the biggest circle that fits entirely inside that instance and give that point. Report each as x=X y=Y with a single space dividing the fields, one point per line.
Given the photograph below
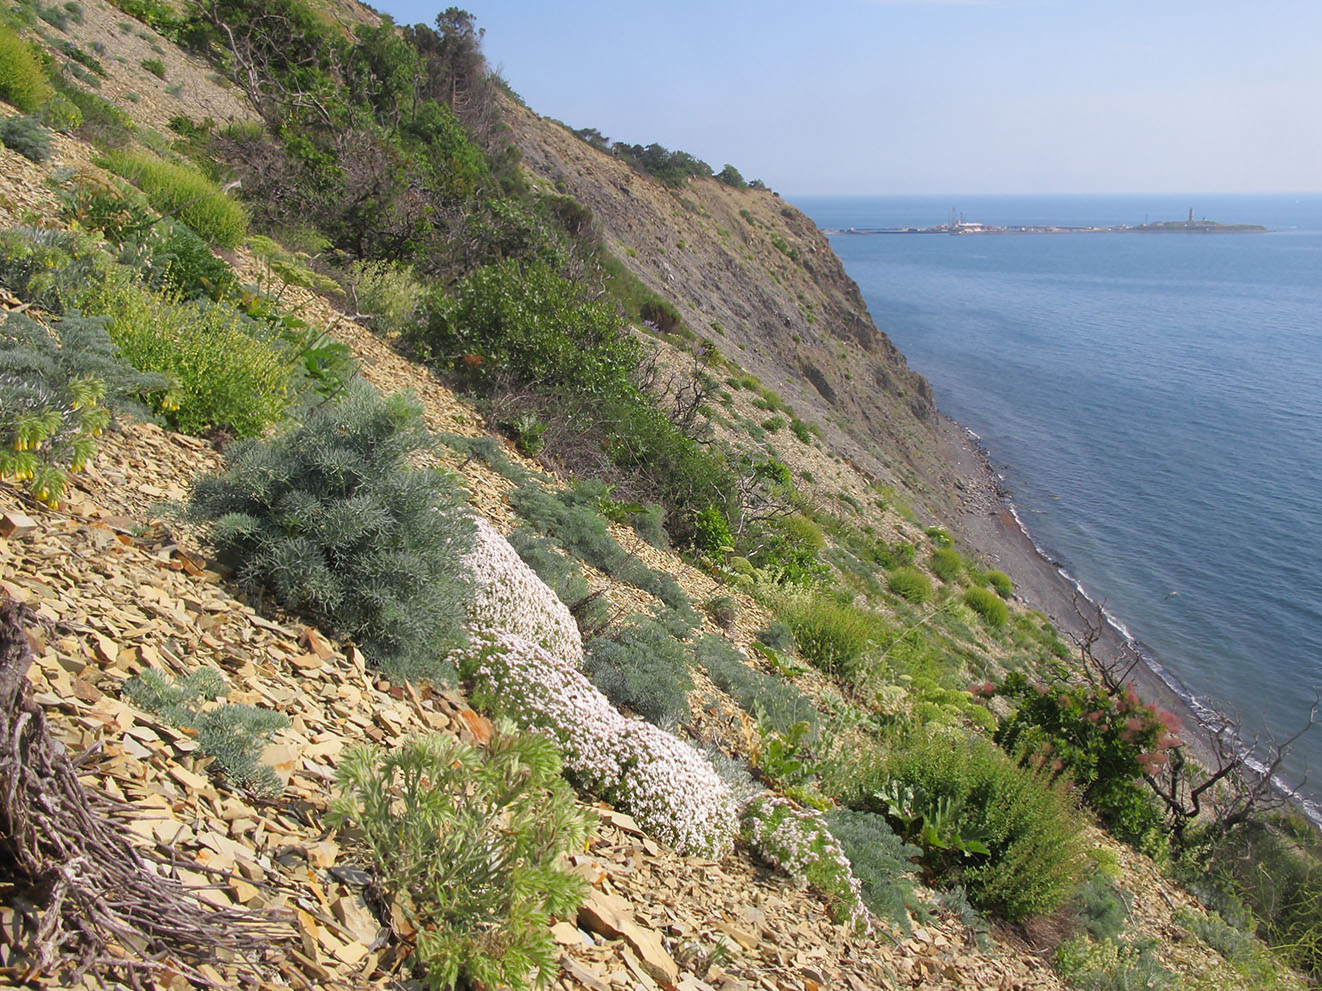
x=1153 y=404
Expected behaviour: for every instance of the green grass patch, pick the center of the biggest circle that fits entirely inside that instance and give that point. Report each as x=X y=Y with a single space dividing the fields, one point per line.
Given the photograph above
x=909 y=583
x=987 y=604
x=184 y=192
x=946 y=564
x=22 y=80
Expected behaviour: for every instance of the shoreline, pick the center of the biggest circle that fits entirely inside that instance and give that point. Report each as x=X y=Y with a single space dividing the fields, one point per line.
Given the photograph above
x=988 y=522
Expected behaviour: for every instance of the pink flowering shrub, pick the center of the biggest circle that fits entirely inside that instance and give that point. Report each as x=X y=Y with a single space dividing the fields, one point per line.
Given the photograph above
x=667 y=786
x=1105 y=741
x=507 y=595
x=798 y=842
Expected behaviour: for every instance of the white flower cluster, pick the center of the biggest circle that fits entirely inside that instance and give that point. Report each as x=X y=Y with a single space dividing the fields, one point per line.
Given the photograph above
x=798 y=842
x=667 y=786
x=507 y=595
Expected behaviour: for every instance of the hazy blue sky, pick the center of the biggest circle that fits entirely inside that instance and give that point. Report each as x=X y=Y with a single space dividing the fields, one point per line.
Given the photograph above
x=934 y=96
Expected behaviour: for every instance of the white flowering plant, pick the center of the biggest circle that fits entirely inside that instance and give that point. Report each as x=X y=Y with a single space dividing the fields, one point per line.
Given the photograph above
x=798 y=842
x=665 y=784
x=507 y=595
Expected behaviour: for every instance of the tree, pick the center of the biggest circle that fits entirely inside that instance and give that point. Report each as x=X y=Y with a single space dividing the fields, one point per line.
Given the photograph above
x=1240 y=779
x=731 y=177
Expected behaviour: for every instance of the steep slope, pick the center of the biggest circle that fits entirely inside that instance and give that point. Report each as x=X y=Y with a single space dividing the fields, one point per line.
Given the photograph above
x=755 y=275
x=125 y=594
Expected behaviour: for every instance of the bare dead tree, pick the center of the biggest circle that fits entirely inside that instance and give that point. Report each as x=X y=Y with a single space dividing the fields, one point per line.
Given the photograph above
x=1240 y=778
x=99 y=908
x=1241 y=781
x=270 y=52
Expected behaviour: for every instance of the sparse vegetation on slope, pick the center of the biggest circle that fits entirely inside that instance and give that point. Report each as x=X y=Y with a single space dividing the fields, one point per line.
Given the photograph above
x=407 y=205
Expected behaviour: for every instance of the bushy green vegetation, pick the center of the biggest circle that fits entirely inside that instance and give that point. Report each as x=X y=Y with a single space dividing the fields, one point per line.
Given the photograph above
x=183 y=191
x=388 y=295
x=331 y=520
x=573 y=518
x=909 y=583
x=471 y=846
x=233 y=733
x=1268 y=867
x=832 y=635
x=227 y=372
x=1006 y=833
x=22 y=80
x=988 y=605
x=1001 y=582
x=642 y=667
x=947 y=564
x=521 y=324
x=674 y=168
x=1105 y=741
x=776 y=703
x=27 y=137
x=882 y=862
x=58 y=387
x=1110 y=965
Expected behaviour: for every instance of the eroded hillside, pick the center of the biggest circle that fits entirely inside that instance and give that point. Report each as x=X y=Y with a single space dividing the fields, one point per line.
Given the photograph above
x=802 y=659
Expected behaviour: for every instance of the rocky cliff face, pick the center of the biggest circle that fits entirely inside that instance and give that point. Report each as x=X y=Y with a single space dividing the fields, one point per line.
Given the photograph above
x=754 y=274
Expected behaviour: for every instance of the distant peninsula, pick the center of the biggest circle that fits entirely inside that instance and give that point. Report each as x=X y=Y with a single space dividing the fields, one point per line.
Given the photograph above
x=962 y=226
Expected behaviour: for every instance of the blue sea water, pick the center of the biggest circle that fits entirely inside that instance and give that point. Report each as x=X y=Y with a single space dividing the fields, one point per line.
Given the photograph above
x=1154 y=403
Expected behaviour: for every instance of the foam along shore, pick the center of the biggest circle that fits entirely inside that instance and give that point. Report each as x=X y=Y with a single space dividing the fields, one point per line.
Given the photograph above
x=988 y=521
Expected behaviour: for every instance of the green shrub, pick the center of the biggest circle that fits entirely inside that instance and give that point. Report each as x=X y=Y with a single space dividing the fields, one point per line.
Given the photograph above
x=1269 y=870
x=228 y=372
x=788 y=547
x=712 y=537
x=105 y=124
x=1110 y=966
x=832 y=635
x=649 y=522
x=1001 y=582
x=1241 y=949
x=471 y=846
x=573 y=517
x=778 y=636
x=1104 y=741
x=563 y=576
x=909 y=583
x=56 y=391
x=882 y=862
x=177 y=259
x=1006 y=833
x=387 y=294
x=723 y=610
x=60 y=113
x=330 y=518
x=27 y=137
x=517 y=324
x=988 y=605
x=155 y=66
x=774 y=701
x=47 y=267
x=642 y=667
x=184 y=192
x=947 y=564
x=234 y=734
x=1100 y=907
x=22 y=80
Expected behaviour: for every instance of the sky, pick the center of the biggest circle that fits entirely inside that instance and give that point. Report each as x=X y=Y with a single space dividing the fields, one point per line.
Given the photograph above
x=898 y=97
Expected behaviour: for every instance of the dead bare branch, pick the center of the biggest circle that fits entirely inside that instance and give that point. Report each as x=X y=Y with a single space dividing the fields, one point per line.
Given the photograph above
x=103 y=911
